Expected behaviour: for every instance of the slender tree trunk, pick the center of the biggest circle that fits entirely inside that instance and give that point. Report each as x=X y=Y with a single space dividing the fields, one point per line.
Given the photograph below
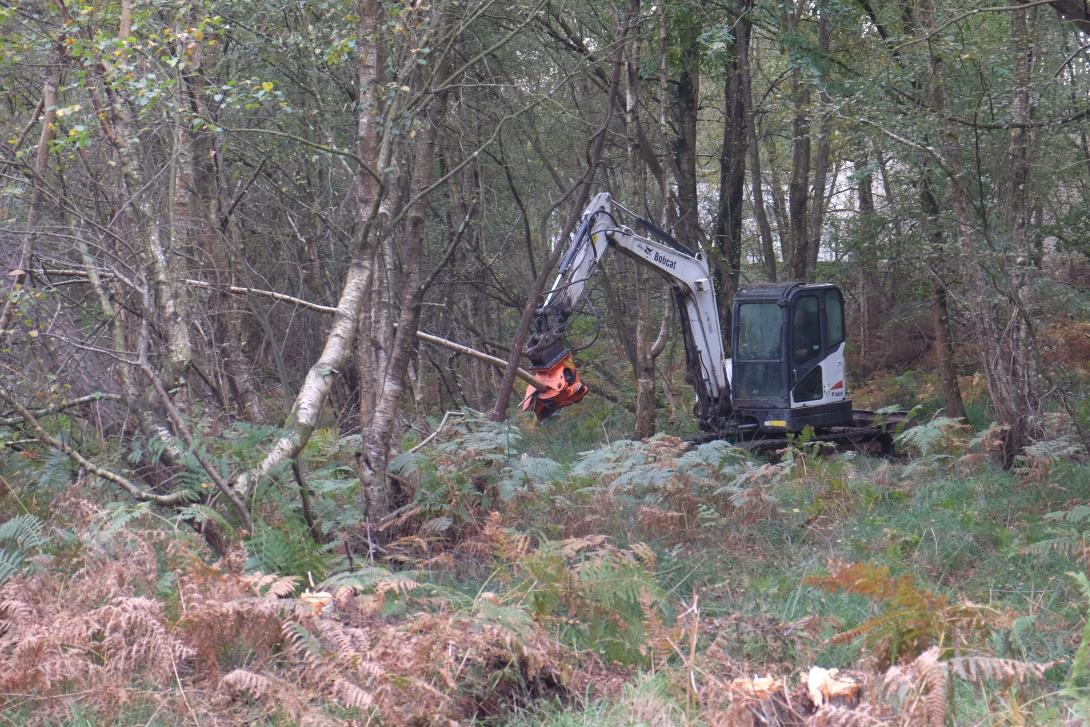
x=166 y=276
x=124 y=25
x=376 y=331
x=642 y=354
x=686 y=103
x=1026 y=403
x=818 y=201
x=310 y=401
x=375 y=336
x=760 y=211
x=337 y=349
x=940 y=310
x=1009 y=387
x=220 y=241
x=168 y=300
x=779 y=205
x=41 y=162
x=377 y=437
x=646 y=376
x=799 y=185
x=864 y=251
x=727 y=232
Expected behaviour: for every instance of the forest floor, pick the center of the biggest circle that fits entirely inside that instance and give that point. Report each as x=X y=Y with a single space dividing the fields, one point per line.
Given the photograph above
x=525 y=582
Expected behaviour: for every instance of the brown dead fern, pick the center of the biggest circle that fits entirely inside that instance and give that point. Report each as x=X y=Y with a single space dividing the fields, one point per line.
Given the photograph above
x=922 y=688
x=831 y=715
x=228 y=615
x=911 y=618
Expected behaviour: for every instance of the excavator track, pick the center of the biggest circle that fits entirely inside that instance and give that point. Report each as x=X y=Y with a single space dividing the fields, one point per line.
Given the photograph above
x=870 y=433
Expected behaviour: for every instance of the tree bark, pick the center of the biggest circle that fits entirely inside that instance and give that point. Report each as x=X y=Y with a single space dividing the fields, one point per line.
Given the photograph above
x=41 y=162
x=940 y=310
x=686 y=103
x=816 y=219
x=1022 y=366
x=727 y=232
x=760 y=211
x=643 y=352
x=799 y=183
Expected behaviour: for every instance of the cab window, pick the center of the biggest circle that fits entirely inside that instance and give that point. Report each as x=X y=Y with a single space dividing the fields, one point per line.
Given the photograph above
x=759 y=332
x=806 y=329
x=834 y=318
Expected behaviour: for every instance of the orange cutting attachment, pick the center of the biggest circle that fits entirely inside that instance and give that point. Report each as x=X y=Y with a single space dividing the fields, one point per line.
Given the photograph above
x=563 y=388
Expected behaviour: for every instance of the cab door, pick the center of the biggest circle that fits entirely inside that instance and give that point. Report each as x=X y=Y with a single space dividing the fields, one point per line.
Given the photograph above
x=807 y=349
x=817 y=347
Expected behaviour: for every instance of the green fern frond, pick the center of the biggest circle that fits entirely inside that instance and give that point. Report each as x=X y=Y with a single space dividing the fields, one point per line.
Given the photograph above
x=10 y=562
x=24 y=531
x=54 y=471
x=368 y=578
x=289 y=548
x=114 y=518
x=1063 y=544
x=927 y=437
x=20 y=534
x=202 y=513
x=1077 y=515
x=407 y=463
x=1059 y=448
x=1082 y=654
x=511 y=618
x=528 y=474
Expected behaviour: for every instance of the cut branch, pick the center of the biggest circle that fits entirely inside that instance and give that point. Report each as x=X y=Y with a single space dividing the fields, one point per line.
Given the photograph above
x=500 y=363
x=496 y=361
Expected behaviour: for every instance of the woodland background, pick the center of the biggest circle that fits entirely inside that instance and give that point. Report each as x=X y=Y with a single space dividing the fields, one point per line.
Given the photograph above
x=224 y=224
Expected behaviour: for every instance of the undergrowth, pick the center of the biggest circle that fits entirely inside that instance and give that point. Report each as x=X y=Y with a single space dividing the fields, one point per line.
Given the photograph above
x=637 y=582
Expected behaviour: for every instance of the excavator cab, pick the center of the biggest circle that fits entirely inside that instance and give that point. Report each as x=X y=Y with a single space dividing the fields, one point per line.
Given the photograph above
x=787 y=370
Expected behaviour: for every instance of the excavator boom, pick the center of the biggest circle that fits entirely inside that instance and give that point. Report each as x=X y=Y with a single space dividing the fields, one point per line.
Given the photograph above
x=686 y=270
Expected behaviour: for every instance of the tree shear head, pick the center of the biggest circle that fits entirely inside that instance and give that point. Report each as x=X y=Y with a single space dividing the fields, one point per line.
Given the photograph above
x=562 y=388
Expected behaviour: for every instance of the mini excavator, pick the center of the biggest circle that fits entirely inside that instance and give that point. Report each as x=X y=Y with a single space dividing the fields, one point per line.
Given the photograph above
x=786 y=372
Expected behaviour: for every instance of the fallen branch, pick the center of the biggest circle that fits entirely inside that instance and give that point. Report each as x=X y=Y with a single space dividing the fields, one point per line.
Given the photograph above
x=61 y=406
x=234 y=289
x=136 y=491
x=438 y=429
x=238 y=290
x=496 y=361
x=499 y=363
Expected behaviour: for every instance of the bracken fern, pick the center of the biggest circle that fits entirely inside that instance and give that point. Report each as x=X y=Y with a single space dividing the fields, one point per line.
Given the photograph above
x=912 y=619
x=18 y=537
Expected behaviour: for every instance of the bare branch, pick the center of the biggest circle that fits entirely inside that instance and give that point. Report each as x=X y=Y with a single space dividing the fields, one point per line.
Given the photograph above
x=61 y=406
x=124 y=483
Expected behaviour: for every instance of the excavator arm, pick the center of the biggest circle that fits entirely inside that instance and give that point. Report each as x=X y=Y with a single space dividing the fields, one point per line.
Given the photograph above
x=688 y=274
